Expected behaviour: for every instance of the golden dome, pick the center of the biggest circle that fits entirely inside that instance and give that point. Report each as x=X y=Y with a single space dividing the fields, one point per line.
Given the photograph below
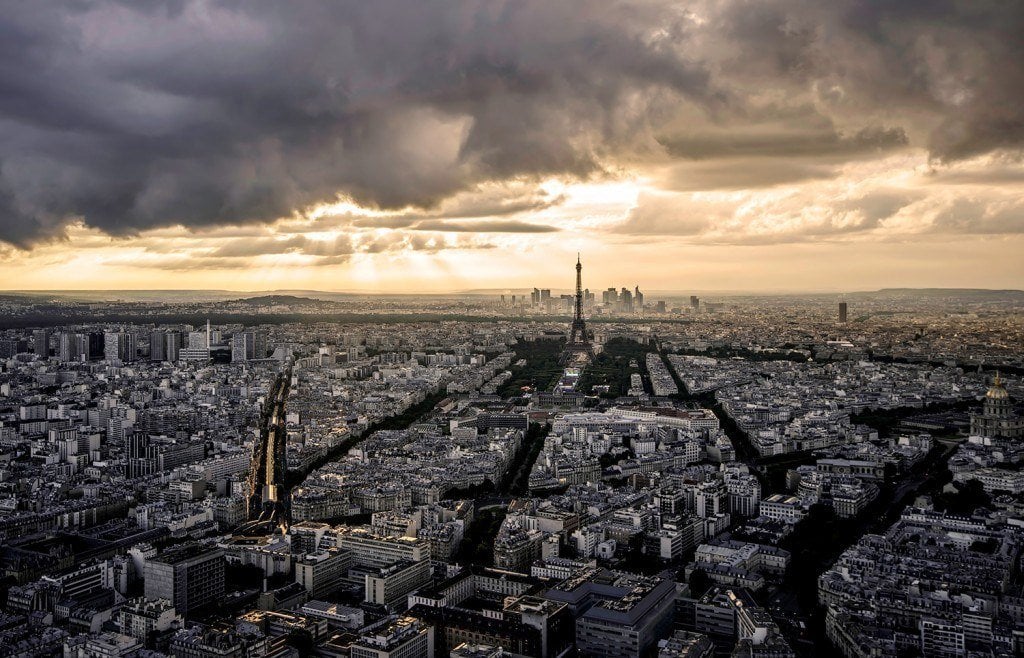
x=997 y=391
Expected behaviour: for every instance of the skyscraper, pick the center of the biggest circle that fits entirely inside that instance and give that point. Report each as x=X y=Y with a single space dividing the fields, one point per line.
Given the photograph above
x=243 y=346
x=173 y=346
x=158 y=345
x=73 y=347
x=842 y=311
x=41 y=342
x=118 y=347
x=625 y=301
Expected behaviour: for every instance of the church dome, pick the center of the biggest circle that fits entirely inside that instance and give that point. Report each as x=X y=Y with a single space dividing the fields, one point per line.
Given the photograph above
x=997 y=391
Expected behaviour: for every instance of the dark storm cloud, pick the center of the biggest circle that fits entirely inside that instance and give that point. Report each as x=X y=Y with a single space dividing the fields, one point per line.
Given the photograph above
x=133 y=115
x=950 y=71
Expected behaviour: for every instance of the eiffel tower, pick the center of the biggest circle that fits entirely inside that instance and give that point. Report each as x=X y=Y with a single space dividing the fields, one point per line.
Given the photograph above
x=578 y=348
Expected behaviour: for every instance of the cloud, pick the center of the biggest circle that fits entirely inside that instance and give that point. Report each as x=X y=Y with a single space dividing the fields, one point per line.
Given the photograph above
x=981 y=217
x=784 y=143
x=296 y=250
x=742 y=173
x=486 y=201
x=950 y=72
x=132 y=116
x=339 y=246
x=873 y=211
x=499 y=226
x=864 y=201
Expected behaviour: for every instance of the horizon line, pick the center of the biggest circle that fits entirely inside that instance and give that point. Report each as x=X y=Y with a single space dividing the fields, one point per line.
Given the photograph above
x=495 y=291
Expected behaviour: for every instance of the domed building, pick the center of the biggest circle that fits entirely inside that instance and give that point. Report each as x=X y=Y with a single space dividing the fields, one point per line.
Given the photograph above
x=998 y=417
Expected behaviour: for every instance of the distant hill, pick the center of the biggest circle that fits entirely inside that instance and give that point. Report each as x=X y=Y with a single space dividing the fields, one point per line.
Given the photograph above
x=960 y=293
x=279 y=300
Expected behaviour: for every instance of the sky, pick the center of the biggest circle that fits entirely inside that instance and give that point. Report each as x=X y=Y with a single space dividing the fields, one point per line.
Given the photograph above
x=439 y=145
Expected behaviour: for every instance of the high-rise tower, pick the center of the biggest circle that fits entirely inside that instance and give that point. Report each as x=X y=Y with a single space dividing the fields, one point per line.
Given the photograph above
x=579 y=346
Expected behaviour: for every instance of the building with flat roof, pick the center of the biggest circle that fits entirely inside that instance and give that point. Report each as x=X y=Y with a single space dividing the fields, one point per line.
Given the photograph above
x=390 y=586
x=617 y=614
x=190 y=577
x=375 y=550
x=405 y=637
x=323 y=572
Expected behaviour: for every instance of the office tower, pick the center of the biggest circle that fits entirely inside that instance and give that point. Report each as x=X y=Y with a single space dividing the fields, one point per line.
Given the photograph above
x=660 y=307
x=114 y=346
x=638 y=298
x=10 y=347
x=190 y=577
x=197 y=340
x=695 y=302
x=199 y=343
x=610 y=297
x=259 y=343
x=66 y=346
x=118 y=347
x=158 y=345
x=625 y=301
x=535 y=297
x=173 y=346
x=545 y=295
x=243 y=346
x=41 y=342
x=95 y=351
x=842 y=311
x=73 y=347
x=139 y=462
x=136 y=445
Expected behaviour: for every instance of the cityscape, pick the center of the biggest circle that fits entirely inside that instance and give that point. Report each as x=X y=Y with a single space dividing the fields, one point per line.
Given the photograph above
x=511 y=329
x=506 y=474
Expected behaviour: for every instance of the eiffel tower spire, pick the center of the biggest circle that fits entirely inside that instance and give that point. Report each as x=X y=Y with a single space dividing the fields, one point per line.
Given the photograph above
x=579 y=346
